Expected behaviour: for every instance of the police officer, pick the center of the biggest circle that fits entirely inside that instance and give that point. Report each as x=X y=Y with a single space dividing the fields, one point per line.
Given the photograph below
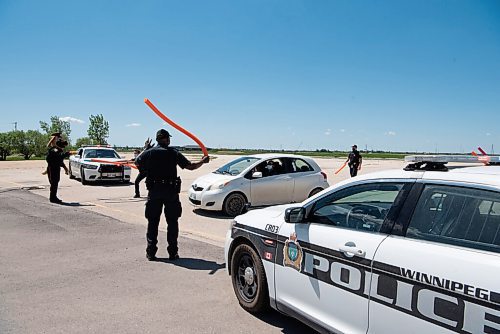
x=160 y=164
x=55 y=160
x=354 y=161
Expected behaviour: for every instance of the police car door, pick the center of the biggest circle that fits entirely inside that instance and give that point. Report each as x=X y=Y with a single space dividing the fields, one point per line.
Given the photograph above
x=323 y=265
x=442 y=275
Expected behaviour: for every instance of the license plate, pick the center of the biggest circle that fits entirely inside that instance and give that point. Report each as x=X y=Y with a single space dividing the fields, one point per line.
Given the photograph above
x=109 y=174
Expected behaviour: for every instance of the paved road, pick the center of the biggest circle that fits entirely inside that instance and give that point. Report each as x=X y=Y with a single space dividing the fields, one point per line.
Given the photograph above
x=66 y=269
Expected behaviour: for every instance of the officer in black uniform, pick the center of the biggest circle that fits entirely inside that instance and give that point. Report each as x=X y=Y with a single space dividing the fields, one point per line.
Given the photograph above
x=160 y=164
x=55 y=160
x=354 y=161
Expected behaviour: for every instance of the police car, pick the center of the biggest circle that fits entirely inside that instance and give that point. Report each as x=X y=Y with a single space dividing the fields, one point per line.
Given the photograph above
x=405 y=251
x=82 y=165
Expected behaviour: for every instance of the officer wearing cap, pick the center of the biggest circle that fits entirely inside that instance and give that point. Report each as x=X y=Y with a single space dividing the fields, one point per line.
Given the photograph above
x=55 y=160
x=160 y=164
x=354 y=161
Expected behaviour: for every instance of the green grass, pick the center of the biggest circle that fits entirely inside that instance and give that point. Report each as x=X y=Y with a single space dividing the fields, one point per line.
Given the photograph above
x=317 y=154
x=21 y=158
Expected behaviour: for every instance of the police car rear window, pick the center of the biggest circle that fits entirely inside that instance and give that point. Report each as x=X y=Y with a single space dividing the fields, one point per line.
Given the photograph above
x=460 y=216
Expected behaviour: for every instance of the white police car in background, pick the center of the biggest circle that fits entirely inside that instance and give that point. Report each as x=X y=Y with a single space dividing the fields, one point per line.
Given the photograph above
x=413 y=251
x=260 y=179
x=81 y=165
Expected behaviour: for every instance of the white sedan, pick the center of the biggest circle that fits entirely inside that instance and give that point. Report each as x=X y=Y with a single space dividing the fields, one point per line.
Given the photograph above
x=83 y=167
x=258 y=180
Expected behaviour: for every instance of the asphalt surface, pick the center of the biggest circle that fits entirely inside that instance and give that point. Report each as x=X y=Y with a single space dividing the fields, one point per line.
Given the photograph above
x=67 y=269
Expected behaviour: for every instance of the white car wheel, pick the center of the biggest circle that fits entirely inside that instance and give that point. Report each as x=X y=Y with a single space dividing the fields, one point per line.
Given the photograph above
x=82 y=177
x=234 y=204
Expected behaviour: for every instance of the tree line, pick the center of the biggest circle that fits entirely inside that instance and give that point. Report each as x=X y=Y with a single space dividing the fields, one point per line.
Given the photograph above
x=34 y=142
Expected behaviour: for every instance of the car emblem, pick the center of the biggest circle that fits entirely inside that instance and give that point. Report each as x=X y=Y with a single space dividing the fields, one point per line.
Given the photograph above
x=292 y=253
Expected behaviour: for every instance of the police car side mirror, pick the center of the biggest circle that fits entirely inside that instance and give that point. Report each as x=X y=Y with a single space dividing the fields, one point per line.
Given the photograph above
x=257 y=175
x=295 y=215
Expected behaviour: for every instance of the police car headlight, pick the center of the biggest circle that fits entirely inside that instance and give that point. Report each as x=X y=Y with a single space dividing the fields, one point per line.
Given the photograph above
x=87 y=166
x=218 y=185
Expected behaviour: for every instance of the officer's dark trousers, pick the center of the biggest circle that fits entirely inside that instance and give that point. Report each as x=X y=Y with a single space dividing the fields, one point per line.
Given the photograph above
x=353 y=169
x=168 y=201
x=54 y=175
x=138 y=179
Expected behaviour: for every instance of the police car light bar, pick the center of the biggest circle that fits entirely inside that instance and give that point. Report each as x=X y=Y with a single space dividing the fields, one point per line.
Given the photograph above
x=451 y=158
x=437 y=162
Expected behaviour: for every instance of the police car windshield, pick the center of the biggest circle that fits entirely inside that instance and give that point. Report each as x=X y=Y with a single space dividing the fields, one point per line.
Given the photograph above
x=100 y=153
x=237 y=166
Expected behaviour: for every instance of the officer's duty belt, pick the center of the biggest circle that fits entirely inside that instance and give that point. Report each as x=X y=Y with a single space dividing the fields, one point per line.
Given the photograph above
x=169 y=182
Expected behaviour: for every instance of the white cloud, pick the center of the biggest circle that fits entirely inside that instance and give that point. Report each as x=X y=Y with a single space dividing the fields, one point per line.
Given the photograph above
x=342 y=130
x=133 y=125
x=71 y=119
x=488 y=134
x=390 y=133
x=328 y=132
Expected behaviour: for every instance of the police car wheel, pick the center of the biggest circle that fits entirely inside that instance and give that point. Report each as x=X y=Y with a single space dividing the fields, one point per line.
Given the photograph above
x=70 y=172
x=234 y=204
x=249 y=279
x=82 y=177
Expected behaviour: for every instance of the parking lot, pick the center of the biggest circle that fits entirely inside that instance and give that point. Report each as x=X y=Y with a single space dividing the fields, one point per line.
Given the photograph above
x=81 y=267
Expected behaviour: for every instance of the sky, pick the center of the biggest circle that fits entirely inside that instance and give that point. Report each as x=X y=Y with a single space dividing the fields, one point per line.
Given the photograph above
x=271 y=74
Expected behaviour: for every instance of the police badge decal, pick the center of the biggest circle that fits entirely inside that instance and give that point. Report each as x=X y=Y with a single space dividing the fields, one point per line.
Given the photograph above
x=292 y=253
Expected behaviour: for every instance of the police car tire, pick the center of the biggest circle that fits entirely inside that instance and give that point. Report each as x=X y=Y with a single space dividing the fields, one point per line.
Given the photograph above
x=260 y=301
x=70 y=172
x=234 y=204
x=82 y=177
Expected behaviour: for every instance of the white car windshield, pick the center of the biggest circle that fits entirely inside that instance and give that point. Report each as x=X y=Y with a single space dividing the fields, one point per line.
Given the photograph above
x=237 y=166
x=100 y=153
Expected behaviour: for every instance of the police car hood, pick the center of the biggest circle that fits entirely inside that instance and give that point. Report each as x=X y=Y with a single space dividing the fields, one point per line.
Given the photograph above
x=259 y=218
x=212 y=178
x=102 y=160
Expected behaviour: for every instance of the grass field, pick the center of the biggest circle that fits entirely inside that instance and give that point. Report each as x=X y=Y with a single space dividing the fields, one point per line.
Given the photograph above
x=319 y=154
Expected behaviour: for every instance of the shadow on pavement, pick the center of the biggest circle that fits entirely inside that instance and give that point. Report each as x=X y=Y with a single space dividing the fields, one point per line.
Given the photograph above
x=195 y=264
x=123 y=200
x=288 y=324
x=211 y=214
x=75 y=204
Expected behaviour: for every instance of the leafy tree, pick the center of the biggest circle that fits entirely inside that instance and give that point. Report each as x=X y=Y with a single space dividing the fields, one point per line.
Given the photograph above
x=57 y=125
x=6 y=145
x=32 y=142
x=83 y=141
x=98 y=130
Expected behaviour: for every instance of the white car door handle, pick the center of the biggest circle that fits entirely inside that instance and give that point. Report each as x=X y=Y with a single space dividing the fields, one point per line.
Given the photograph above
x=352 y=251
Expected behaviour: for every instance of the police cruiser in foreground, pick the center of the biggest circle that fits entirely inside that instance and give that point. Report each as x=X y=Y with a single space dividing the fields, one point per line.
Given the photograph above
x=406 y=251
